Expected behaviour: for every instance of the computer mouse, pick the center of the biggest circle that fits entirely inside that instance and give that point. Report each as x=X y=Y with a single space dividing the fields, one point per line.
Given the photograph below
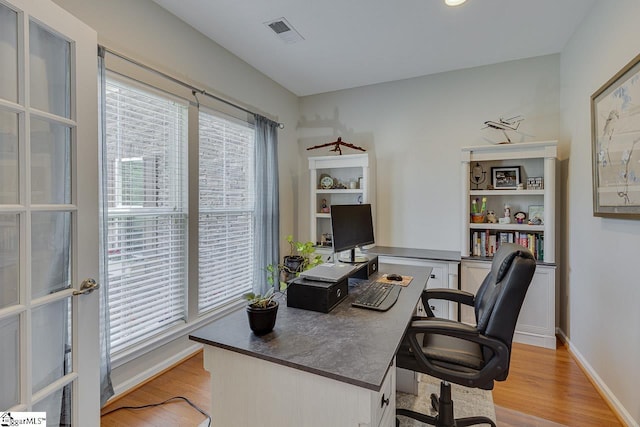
x=394 y=277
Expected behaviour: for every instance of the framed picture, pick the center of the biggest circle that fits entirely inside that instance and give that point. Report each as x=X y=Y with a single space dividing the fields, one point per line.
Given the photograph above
x=505 y=177
x=536 y=212
x=615 y=141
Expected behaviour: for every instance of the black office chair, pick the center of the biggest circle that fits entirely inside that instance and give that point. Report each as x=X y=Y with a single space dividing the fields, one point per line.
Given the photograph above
x=472 y=356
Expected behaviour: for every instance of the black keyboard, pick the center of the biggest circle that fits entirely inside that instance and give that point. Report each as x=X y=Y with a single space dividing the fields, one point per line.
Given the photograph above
x=378 y=296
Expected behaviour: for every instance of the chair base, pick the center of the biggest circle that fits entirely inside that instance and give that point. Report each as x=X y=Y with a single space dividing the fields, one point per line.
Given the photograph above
x=445 y=412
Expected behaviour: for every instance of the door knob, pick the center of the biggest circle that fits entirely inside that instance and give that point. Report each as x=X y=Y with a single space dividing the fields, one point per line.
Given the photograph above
x=87 y=286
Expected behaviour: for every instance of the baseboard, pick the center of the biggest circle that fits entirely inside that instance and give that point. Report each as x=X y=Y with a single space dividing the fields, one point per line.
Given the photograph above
x=535 y=339
x=143 y=377
x=607 y=395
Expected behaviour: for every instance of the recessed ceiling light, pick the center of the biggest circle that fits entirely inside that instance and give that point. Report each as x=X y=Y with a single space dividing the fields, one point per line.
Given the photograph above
x=454 y=2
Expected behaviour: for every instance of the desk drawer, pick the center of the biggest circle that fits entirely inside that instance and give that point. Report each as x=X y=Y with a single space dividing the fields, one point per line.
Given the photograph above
x=385 y=400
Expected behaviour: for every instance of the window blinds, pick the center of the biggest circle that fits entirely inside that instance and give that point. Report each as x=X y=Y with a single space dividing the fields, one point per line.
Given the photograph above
x=227 y=209
x=146 y=137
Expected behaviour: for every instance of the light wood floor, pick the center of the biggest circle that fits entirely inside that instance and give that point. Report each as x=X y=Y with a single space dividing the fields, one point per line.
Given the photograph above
x=543 y=383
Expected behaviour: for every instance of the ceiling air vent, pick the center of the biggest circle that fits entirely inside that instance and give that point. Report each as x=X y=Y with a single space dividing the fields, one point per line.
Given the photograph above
x=284 y=30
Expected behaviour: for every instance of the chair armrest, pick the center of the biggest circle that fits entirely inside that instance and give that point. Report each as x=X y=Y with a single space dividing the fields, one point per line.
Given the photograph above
x=495 y=365
x=448 y=294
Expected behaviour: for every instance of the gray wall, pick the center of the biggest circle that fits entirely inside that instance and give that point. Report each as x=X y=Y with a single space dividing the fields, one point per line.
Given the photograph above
x=601 y=292
x=414 y=129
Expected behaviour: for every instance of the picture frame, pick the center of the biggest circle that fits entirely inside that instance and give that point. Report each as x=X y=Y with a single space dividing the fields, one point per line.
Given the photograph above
x=615 y=145
x=505 y=177
x=536 y=211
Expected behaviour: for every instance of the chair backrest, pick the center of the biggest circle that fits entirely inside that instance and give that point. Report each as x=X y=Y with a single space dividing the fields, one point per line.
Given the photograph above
x=500 y=297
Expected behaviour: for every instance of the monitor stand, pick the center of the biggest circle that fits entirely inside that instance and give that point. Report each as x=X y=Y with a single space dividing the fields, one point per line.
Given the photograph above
x=353 y=259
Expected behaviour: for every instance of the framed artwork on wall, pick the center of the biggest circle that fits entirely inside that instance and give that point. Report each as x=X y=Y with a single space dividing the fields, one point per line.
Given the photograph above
x=615 y=141
x=507 y=177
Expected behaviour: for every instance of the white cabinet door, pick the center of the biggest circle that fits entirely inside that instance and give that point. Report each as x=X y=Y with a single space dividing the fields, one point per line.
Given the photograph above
x=536 y=322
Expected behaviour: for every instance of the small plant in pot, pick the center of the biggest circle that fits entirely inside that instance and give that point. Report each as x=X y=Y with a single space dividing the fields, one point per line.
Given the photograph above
x=301 y=257
x=262 y=311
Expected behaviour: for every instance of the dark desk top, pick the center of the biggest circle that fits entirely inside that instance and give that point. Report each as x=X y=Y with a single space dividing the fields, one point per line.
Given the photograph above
x=436 y=255
x=349 y=344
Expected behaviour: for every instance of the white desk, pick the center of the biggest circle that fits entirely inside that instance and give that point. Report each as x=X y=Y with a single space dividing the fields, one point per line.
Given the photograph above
x=313 y=369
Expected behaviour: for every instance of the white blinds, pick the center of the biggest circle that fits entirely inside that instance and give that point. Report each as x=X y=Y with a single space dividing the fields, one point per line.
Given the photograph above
x=146 y=137
x=227 y=210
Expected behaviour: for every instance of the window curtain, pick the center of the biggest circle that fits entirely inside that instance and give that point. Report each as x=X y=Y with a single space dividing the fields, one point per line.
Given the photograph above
x=106 y=388
x=267 y=248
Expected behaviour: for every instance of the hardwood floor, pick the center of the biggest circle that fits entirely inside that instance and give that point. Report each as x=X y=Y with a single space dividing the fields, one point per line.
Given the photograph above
x=543 y=383
x=549 y=384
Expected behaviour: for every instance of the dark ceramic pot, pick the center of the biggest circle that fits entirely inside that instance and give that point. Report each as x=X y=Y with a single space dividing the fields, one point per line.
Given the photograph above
x=262 y=320
x=293 y=264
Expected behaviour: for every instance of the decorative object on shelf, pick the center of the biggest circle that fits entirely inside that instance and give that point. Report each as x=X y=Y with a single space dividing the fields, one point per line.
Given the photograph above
x=337 y=144
x=324 y=208
x=326 y=239
x=535 y=183
x=536 y=214
x=326 y=182
x=505 y=177
x=478 y=175
x=477 y=214
x=506 y=217
x=520 y=217
x=615 y=126
x=520 y=186
x=502 y=124
x=491 y=217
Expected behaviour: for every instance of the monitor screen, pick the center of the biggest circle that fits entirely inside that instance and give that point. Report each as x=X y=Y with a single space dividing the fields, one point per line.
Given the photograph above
x=352 y=227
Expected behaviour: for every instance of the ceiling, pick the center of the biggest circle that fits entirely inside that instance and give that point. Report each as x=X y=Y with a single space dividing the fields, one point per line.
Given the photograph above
x=351 y=43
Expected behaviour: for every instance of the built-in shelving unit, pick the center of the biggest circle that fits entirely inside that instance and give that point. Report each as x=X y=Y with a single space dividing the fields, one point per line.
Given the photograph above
x=350 y=185
x=536 y=324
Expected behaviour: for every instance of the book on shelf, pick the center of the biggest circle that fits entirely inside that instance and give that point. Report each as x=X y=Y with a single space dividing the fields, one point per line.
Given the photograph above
x=486 y=244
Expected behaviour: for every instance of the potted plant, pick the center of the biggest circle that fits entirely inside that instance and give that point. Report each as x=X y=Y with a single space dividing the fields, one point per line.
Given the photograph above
x=262 y=311
x=301 y=257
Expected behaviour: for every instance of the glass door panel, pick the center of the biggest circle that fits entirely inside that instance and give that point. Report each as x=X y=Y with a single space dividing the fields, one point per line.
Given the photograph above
x=50 y=253
x=8 y=156
x=10 y=366
x=50 y=78
x=9 y=54
x=9 y=261
x=50 y=162
x=51 y=343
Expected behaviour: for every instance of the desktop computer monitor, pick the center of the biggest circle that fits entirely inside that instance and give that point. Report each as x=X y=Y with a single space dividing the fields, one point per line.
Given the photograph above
x=352 y=227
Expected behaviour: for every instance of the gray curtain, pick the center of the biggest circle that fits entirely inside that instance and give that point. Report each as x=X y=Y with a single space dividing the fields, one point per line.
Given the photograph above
x=106 y=388
x=267 y=200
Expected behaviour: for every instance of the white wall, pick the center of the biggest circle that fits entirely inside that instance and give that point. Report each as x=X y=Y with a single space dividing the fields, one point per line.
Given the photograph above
x=414 y=129
x=143 y=31
x=601 y=300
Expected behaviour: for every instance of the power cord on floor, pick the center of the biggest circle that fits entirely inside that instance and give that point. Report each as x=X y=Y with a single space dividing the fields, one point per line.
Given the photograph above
x=151 y=405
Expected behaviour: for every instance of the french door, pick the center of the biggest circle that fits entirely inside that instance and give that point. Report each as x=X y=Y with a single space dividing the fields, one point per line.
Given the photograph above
x=48 y=214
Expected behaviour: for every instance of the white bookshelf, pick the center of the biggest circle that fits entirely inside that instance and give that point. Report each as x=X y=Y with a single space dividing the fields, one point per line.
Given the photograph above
x=536 y=323
x=346 y=171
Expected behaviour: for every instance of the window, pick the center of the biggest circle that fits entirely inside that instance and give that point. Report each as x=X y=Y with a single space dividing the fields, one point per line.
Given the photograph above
x=227 y=209
x=146 y=137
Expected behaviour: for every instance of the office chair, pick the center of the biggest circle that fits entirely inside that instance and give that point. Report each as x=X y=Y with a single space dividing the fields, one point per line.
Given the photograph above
x=472 y=356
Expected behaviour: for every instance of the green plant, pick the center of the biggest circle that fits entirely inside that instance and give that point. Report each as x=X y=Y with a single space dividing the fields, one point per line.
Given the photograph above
x=301 y=257
x=306 y=250
x=258 y=300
